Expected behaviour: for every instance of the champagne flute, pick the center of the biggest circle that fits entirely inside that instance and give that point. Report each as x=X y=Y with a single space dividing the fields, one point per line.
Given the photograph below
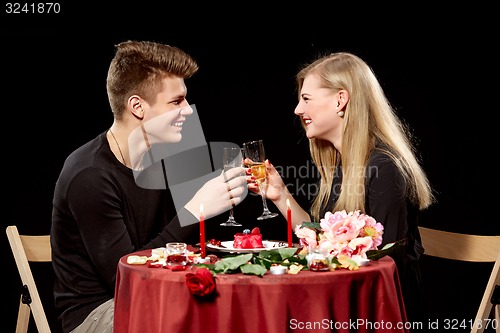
x=254 y=150
x=231 y=158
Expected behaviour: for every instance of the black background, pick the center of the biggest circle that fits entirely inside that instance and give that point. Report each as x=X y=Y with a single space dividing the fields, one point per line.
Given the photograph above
x=437 y=68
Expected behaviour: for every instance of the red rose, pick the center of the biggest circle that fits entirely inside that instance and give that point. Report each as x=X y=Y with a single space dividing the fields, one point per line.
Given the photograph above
x=201 y=282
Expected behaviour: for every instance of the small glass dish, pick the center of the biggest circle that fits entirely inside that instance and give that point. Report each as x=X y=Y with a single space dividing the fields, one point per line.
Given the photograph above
x=318 y=261
x=176 y=254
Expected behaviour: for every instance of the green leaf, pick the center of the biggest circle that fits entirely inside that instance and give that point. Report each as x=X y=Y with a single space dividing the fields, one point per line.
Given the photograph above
x=388 y=249
x=269 y=255
x=266 y=263
x=278 y=254
x=267 y=258
x=312 y=225
x=253 y=269
x=228 y=264
x=299 y=259
x=287 y=252
x=335 y=261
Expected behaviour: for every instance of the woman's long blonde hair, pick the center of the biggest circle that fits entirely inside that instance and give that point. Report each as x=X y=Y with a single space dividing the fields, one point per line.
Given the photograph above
x=369 y=120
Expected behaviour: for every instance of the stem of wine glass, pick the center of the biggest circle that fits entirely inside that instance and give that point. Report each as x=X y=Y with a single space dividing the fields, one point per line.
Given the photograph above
x=264 y=203
x=266 y=214
x=231 y=221
x=231 y=214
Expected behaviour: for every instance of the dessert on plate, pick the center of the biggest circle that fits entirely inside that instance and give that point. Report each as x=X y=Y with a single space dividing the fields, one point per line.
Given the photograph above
x=248 y=239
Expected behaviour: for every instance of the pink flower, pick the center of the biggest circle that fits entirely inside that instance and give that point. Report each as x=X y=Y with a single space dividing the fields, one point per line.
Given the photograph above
x=307 y=237
x=332 y=219
x=359 y=246
x=347 y=229
x=372 y=229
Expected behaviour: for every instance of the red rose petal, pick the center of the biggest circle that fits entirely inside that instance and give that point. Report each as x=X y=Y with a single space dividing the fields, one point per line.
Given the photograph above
x=178 y=268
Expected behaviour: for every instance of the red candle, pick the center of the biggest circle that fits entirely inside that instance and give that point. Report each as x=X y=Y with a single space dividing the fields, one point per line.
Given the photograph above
x=202 y=233
x=289 y=222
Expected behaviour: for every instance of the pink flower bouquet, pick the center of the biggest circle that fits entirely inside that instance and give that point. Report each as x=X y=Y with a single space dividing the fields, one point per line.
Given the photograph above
x=344 y=238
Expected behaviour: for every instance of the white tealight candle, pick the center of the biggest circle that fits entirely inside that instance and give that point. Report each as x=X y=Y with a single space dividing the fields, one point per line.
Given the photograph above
x=278 y=270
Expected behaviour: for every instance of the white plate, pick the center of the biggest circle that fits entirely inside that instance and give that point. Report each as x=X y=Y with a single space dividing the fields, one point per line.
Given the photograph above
x=228 y=247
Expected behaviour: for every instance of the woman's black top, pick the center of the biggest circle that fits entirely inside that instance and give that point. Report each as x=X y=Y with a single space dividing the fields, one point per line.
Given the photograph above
x=386 y=201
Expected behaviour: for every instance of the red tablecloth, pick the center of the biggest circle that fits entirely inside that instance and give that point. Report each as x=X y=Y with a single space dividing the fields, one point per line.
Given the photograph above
x=154 y=300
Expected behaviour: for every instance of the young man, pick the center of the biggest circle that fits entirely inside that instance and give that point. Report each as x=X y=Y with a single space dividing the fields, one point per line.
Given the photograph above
x=100 y=213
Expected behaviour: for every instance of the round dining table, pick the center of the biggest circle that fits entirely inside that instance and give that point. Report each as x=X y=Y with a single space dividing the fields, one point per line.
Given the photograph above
x=157 y=300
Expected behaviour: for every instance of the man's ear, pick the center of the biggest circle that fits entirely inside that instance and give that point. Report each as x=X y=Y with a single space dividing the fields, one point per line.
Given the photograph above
x=135 y=106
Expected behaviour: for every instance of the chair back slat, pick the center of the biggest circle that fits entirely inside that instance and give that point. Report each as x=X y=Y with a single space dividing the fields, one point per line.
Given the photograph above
x=28 y=249
x=471 y=248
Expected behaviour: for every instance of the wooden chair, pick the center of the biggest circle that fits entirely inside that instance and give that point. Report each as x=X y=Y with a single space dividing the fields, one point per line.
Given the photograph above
x=28 y=249
x=471 y=248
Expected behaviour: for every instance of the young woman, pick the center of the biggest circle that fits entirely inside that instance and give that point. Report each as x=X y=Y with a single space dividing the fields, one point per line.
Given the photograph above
x=365 y=158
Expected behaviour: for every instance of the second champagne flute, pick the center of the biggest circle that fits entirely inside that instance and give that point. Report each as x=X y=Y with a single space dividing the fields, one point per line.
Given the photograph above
x=254 y=150
x=231 y=158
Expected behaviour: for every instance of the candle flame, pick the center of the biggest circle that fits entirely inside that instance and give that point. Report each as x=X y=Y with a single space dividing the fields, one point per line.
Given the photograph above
x=288 y=203
x=201 y=208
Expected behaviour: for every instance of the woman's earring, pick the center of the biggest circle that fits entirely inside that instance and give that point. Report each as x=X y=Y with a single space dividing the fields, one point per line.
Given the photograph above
x=340 y=113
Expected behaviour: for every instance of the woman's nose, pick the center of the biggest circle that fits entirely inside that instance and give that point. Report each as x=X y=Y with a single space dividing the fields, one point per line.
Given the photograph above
x=298 y=110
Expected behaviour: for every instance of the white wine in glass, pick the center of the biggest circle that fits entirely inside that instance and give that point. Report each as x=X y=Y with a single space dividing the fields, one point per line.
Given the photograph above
x=254 y=150
x=232 y=157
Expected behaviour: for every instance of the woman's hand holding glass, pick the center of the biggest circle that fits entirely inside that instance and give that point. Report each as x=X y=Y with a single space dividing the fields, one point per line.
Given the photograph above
x=275 y=187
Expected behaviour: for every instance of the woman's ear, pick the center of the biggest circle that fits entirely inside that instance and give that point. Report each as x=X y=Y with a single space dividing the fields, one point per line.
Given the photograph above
x=135 y=106
x=343 y=99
